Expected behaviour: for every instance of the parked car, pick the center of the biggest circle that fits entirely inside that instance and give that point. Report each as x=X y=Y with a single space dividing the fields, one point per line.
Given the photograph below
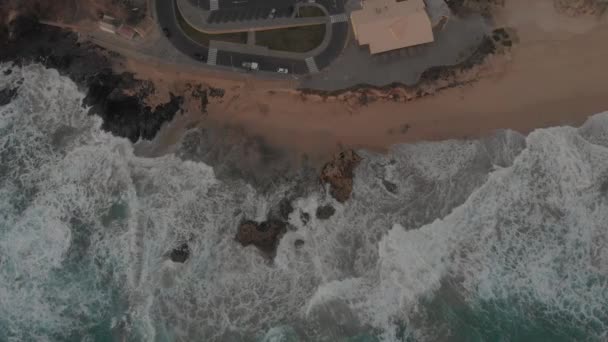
x=166 y=32
x=200 y=57
x=250 y=65
x=272 y=13
x=283 y=71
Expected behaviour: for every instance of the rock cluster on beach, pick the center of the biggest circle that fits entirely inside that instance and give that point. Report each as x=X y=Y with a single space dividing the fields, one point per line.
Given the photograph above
x=339 y=174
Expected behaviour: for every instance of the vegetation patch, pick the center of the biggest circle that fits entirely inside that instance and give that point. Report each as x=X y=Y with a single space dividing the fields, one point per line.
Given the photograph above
x=309 y=12
x=293 y=39
x=204 y=38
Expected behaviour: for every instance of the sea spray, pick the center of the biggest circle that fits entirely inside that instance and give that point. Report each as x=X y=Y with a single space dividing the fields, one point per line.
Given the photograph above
x=501 y=238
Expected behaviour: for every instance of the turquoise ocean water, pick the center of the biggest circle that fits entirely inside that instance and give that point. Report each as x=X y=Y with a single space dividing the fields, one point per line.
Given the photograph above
x=499 y=239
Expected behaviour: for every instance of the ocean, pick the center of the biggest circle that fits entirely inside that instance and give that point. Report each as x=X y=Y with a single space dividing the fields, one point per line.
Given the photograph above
x=504 y=238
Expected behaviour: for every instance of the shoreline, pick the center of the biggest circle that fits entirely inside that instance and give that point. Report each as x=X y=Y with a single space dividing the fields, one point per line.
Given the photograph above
x=550 y=76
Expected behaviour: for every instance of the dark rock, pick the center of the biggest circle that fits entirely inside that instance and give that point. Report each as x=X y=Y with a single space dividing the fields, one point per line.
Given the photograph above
x=54 y=48
x=298 y=243
x=127 y=115
x=216 y=92
x=339 y=174
x=389 y=186
x=180 y=253
x=265 y=236
x=604 y=188
x=7 y=95
x=501 y=33
x=285 y=209
x=455 y=5
x=118 y=98
x=8 y=72
x=199 y=93
x=23 y=26
x=305 y=217
x=324 y=212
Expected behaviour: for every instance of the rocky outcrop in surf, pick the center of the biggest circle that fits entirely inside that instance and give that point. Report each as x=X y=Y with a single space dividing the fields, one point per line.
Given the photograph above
x=265 y=235
x=7 y=95
x=180 y=253
x=339 y=174
x=127 y=115
x=324 y=212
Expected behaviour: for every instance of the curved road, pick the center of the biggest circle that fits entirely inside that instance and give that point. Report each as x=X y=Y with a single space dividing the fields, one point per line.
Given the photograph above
x=167 y=18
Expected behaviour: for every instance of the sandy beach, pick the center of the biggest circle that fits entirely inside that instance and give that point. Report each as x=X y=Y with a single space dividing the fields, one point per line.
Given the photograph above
x=555 y=74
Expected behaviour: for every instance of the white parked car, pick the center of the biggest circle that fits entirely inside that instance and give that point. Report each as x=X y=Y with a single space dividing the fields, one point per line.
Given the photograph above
x=250 y=65
x=283 y=71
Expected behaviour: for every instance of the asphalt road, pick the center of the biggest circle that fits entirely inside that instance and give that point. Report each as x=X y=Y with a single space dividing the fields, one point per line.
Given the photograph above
x=244 y=14
x=233 y=4
x=339 y=34
x=225 y=4
x=166 y=13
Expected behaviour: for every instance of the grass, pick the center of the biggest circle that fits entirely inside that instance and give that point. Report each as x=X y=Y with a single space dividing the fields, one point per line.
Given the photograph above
x=293 y=39
x=309 y=12
x=204 y=38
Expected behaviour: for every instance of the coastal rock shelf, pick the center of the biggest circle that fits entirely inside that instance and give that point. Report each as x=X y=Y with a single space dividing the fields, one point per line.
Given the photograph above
x=265 y=235
x=339 y=174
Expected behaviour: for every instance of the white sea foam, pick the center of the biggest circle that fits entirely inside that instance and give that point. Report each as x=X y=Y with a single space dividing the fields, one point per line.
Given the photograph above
x=533 y=234
x=86 y=227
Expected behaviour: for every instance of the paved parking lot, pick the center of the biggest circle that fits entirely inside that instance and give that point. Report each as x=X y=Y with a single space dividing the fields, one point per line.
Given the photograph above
x=239 y=4
x=229 y=4
x=356 y=65
x=247 y=14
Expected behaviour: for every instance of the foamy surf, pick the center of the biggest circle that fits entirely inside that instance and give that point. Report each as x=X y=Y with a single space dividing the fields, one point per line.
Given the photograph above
x=502 y=238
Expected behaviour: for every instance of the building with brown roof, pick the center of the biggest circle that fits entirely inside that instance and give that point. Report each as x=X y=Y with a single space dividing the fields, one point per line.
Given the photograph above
x=387 y=25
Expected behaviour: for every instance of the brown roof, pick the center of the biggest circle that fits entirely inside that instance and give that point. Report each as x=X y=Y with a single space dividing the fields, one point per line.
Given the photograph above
x=388 y=25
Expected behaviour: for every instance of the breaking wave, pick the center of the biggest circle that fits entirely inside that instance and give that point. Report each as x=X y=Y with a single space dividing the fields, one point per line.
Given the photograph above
x=502 y=238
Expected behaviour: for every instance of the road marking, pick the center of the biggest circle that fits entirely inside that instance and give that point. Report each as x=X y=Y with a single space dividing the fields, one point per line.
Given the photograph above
x=338 y=18
x=214 y=5
x=212 y=56
x=312 y=65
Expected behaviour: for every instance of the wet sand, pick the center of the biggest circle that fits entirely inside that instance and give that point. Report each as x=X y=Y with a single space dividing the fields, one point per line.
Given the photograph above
x=556 y=74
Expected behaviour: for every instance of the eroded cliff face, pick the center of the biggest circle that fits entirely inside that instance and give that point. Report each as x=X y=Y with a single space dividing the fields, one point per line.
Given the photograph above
x=581 y=7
